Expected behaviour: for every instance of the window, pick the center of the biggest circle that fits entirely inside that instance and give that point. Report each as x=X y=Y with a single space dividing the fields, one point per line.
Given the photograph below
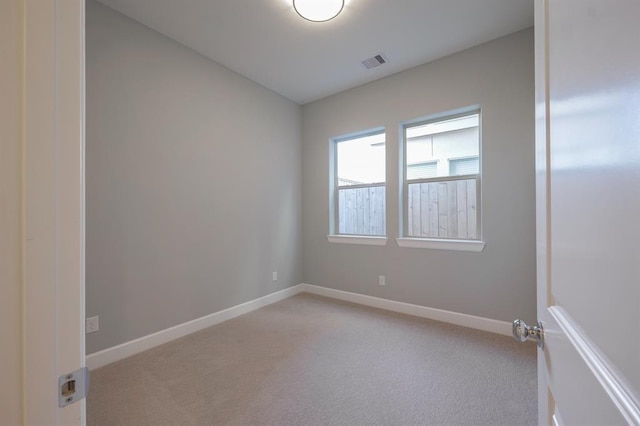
x=442 y=178
x=359 y=195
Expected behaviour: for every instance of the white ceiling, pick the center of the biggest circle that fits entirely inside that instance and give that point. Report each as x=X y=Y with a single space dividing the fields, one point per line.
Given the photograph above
x=267 y=42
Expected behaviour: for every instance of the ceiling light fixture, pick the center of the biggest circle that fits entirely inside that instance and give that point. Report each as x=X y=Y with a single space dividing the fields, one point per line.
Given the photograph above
x=318 y=10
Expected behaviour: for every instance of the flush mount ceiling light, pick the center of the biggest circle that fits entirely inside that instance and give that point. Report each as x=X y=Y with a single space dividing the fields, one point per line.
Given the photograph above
x=318 y=10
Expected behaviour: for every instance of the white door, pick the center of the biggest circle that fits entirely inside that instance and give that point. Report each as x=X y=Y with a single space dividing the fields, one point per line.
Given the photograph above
x=54 y=207
x=588 y=210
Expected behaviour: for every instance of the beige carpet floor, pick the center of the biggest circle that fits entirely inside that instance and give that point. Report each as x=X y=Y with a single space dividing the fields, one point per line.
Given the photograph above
x=310 y=360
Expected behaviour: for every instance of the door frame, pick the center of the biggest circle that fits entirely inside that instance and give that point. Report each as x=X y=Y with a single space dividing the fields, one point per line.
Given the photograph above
x=54 y=248
x=542 y=170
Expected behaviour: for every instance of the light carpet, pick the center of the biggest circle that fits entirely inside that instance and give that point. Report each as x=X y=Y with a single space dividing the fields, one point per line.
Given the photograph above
x=310 y=360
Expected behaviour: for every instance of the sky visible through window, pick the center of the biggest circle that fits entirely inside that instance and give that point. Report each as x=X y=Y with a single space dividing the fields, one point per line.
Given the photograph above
x=361 y=160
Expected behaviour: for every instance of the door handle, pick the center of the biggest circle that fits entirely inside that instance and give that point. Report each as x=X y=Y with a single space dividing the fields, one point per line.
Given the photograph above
x=522 y=332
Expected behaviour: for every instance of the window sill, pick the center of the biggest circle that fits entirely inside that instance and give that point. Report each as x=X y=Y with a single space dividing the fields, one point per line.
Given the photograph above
x=441 y=244
x=358 y=239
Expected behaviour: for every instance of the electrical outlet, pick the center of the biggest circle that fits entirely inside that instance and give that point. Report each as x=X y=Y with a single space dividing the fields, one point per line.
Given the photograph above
x=92 y=324
x=275 y=276
x=382 y=280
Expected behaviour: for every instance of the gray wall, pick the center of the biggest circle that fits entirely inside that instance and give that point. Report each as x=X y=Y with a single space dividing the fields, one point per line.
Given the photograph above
x=11 y=83
x=193 y=183
x=498 y=283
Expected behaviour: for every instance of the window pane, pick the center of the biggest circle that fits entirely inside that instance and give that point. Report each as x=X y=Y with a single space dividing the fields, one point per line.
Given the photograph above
x=441 y=141
x=361 y=160
x=445 y=209
x=464 y=166
x=361 y=211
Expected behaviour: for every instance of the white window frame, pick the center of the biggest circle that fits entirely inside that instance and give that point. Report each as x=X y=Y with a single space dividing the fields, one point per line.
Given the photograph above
x=456 y=244
x=334 y=187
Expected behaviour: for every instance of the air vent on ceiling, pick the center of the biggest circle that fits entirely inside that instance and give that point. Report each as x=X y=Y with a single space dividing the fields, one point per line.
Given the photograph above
x=375 y=61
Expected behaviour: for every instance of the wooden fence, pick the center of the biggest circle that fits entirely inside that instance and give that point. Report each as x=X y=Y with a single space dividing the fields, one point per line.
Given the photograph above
x=361 y=211
x=445 y=209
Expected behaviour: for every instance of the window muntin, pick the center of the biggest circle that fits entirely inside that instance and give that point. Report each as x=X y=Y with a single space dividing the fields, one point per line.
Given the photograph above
x=444 y=204
x=360 y=192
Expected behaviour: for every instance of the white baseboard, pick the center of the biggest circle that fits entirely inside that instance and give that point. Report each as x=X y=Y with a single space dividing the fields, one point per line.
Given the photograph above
x=464 y=320
x=124 y=350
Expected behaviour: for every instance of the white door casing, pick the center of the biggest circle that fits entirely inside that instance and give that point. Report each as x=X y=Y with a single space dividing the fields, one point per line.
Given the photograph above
x=588 y=205
x=54 y=206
